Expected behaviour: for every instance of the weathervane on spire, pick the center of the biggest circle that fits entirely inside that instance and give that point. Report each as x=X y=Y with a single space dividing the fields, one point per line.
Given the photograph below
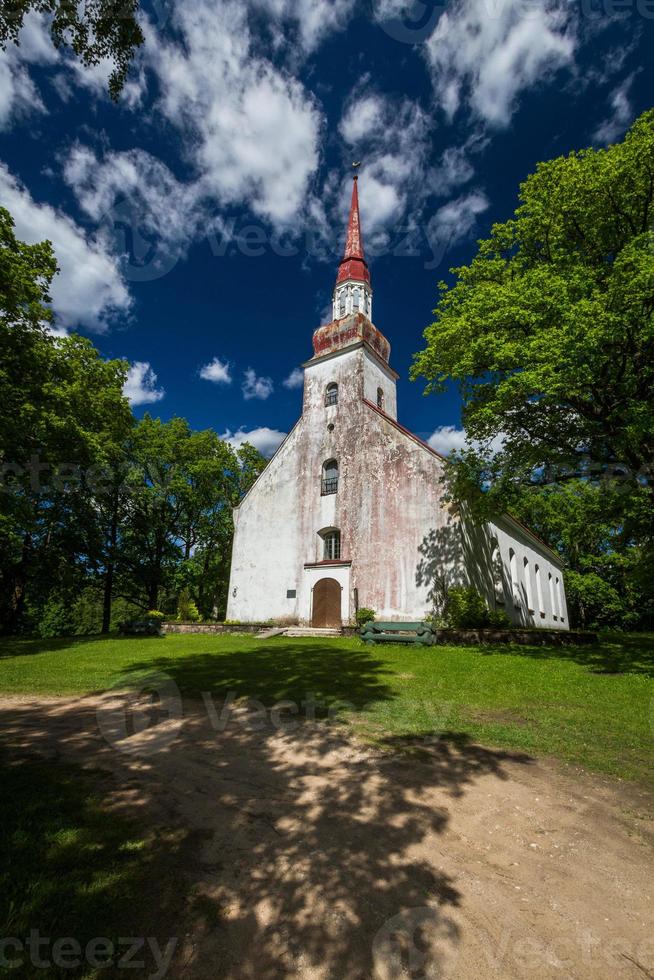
x=356 y=167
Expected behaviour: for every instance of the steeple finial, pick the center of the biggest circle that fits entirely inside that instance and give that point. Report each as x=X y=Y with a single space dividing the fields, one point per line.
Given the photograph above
x=353 y=264
x=352 y=292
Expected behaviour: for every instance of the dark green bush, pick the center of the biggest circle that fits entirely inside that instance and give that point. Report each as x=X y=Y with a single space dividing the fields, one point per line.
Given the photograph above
x=463 y=607
x=56 y=619
x=187 y=611
x=365 y=615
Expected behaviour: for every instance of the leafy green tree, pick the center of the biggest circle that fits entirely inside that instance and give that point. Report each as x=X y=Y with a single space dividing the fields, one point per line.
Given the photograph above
x=95 y=508
x=182 y=486
x=94 y=30
x=600 y=532
x=549 y=332
x=63 y=417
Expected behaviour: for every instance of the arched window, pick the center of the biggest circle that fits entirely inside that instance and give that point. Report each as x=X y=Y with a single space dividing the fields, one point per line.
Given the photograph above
x=539 y=591
x=559 y=598
x=528 y=590
x=331 y=550
x=515 y=585
x=356 y=298
x=329 y=477
x=331 y=394
x=550 y=582
x=380 y=398
x=496 y=568
x=341 y=303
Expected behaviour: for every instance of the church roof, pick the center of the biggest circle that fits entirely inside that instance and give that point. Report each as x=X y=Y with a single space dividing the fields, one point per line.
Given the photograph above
x=353 y=265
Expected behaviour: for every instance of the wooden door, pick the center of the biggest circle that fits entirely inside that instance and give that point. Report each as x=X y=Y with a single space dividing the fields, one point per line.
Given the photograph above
x=326 y=603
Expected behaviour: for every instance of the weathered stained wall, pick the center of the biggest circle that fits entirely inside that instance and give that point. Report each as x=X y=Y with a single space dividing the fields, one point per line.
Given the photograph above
x=267 y=542
x=397 y=536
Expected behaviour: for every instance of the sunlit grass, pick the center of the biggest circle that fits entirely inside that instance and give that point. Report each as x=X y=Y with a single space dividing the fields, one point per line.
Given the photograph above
x=590 y=705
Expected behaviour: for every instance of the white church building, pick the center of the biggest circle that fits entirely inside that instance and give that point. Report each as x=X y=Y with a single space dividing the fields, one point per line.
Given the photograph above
x=349 y=512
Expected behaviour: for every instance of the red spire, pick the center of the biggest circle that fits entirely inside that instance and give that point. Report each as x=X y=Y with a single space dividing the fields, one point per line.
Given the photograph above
x=353 y=265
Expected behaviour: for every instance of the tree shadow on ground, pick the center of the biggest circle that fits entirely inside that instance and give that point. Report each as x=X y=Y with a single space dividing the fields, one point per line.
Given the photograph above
x=617 y=653
x=71 y=869
x=312 y=846
x=322 y=673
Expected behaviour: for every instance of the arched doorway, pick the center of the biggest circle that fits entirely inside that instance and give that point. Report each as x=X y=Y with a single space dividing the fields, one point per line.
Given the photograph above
x=326 y=603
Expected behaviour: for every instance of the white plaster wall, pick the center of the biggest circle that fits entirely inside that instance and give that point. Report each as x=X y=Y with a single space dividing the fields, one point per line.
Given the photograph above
x=376 y=376
x=344 y=369
x=404 y=536
x=266 y=543
x=521 y=602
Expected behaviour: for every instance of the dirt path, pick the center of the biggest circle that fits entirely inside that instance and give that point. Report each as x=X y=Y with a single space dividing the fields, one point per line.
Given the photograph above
x=321 y=859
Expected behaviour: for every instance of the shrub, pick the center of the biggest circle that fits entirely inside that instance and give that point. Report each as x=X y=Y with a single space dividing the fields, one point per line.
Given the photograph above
x=140 y=627
x=499 y=620
x=365 y=615
x=56 y=619
x=155 y=615
x=187 y=611
x=465 y=608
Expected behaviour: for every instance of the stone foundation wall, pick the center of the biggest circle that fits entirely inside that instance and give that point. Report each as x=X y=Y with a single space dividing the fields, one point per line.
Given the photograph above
x=213 y=627
x=557 y=638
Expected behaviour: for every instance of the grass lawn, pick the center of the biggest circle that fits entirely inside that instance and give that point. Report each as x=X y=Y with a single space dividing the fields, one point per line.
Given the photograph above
x=592 y=706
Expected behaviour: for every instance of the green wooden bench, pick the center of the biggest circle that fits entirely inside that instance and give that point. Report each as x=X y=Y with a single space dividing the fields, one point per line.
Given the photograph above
x=421 y=634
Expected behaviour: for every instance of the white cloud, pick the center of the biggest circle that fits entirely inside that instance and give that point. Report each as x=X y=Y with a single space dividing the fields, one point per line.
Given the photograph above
x=264 y=439
x=95 y=79
x=216 y=371
x=447 y=439
x=362 y=118
x=622 y=113
x=89 y=290
x=455 y=221
x=453 y=169
x=141 y=385
x=313 y=19
x=250 y=130
x=19 y=96
x=392 y=138
x=487 y=52
x=159 y=204
x=295 y=379
x=256 y=387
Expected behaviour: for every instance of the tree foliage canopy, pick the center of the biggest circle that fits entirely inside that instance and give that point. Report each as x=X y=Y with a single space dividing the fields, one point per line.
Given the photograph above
x=96 y=506
x=95 y=30
x=549 y=331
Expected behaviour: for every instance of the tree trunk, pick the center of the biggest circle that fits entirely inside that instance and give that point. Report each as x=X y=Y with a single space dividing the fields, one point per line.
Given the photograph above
x=17 y=602
x=109 y=574
x=107 y=597
x=153 y=595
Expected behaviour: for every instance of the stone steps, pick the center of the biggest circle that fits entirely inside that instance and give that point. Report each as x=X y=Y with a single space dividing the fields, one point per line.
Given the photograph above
x=267 y=634
x=311 y=631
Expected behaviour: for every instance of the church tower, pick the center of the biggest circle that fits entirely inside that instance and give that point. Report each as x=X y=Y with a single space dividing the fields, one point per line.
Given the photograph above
x=349 y=511
x=351 y=328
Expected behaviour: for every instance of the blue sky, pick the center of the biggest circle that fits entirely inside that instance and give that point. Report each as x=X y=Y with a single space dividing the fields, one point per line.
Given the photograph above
x=198 y=222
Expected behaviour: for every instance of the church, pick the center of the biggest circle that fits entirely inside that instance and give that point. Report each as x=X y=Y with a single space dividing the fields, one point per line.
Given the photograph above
x=349 y=512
